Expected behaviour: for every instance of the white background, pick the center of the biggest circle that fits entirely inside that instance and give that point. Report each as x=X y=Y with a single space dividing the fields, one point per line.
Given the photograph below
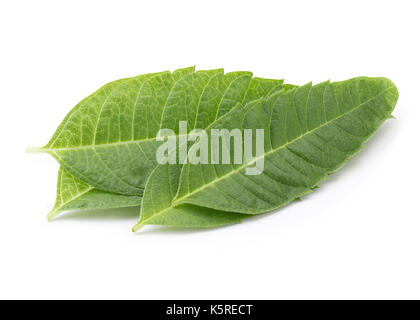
x=356 y=237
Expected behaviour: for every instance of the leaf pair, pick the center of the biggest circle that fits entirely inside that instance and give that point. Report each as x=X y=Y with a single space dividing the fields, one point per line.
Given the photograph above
x=107 y=144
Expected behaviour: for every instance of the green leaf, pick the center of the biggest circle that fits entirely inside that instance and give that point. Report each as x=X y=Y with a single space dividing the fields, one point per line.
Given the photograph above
x=311 y=131
x=74 y=194
x=108 y=139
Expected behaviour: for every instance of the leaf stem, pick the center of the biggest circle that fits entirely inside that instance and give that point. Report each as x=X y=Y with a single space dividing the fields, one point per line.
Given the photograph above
x=52 y=215
x=138 y=226
x=35 y=150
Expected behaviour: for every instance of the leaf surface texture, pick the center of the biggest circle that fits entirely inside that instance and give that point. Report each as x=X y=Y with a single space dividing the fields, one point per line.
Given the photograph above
x=312 y=131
